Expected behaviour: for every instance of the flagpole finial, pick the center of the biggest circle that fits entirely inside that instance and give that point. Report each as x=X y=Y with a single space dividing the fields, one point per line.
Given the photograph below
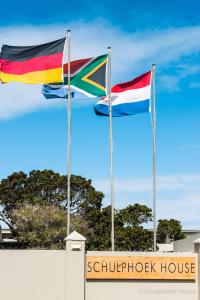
x=109 y=51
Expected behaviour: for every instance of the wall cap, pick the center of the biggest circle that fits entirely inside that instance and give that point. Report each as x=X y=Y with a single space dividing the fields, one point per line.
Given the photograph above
x=197 y=241
x=75 y=236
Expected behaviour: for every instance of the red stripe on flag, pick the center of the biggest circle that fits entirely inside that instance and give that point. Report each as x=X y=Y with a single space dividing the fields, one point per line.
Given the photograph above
x=35 y=64
x=76 y=65
x=136 y=83
x=39 y=64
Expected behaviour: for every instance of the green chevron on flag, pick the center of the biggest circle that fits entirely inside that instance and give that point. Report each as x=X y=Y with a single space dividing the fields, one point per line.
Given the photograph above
x=91 y=78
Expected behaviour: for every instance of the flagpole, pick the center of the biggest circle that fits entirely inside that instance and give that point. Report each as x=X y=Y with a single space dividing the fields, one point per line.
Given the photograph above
x=68 y=134
x=153 y=112
x=111 y=153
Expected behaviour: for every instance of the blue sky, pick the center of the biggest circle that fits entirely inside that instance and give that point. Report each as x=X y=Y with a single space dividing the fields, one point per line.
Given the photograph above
x=33 y=130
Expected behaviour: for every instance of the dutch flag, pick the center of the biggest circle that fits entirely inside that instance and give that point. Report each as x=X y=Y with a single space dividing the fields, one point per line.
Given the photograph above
x=128 y=98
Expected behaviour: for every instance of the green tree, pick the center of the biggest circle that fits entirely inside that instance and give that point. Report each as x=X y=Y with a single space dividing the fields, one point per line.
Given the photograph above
x=129 y=232
x=38 y=226
x=43 y=227
x=34 y=207
x=132 y=236
x=171 y=229
x=47 y=188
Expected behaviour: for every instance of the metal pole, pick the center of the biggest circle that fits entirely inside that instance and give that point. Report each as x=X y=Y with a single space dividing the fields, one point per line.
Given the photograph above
x=153 y=105
x=111 y=152
x=68 y=135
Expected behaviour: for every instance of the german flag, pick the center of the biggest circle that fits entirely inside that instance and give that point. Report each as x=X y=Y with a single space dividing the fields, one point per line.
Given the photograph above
x=32 y=64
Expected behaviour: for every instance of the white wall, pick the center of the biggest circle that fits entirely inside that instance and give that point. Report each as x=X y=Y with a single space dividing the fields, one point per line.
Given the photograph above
x=41 y=275
x=142 y=290
x=187 y=244
x=32 y=275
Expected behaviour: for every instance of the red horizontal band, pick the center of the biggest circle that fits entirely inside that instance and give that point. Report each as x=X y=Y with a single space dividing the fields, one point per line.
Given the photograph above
x=35 y=64
x=76 y=65
x=136 y=83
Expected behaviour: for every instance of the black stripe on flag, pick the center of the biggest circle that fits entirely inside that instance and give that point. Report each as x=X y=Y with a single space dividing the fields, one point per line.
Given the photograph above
x=22 y=53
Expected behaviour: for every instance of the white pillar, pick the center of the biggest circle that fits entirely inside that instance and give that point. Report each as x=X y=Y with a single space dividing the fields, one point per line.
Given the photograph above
x=197 y=250
x=75 y=266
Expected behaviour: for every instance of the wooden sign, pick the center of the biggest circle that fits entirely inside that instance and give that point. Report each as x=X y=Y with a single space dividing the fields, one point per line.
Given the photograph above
x=141 y=267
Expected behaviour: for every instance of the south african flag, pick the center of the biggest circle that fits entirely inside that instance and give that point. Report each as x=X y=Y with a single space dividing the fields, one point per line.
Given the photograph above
x=88 y=76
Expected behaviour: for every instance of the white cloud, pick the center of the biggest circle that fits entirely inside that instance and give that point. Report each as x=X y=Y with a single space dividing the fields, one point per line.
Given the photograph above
x=18 y=99
x=169 y=83
x=177 y=195
x=164 y=183
x=132 y=53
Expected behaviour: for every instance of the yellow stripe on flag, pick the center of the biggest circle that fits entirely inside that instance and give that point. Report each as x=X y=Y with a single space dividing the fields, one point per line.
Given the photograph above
x=40 y=77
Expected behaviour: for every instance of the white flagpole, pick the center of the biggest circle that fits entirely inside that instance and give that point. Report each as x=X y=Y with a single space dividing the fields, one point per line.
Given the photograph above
x=153 y=114
x=111 y=152
x=68 y=134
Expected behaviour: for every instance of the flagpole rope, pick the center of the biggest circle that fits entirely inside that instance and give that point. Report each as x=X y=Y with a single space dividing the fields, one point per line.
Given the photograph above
x=68 y=134
x=154 y=158
x=111 y=153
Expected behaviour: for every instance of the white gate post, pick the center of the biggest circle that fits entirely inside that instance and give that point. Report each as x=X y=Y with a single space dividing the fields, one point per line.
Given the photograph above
x=75 y=266
x=197 y=250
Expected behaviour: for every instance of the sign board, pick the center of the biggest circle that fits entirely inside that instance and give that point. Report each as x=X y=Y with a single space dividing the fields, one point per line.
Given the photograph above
x=141 y=267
